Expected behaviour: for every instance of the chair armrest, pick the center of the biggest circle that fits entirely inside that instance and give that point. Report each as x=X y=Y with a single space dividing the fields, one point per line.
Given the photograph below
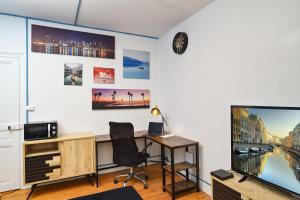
x=146 y=147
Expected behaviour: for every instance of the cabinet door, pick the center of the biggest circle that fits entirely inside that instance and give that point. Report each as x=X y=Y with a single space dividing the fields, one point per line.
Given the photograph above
x=222 y=192
x=77 y=157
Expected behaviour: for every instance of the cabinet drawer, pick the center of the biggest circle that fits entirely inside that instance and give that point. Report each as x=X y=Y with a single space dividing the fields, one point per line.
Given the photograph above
x=54 y=162
x=40 y=160
x=56 y=173
x=222 y=192
x=42 y=167
x=36 y=178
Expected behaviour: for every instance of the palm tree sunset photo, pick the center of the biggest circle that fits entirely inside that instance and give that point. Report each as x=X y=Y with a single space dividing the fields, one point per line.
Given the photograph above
x=120 y=98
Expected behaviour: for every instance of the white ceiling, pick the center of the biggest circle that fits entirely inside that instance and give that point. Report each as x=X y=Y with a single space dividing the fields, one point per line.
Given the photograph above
x=144 y=17
x=57 y=10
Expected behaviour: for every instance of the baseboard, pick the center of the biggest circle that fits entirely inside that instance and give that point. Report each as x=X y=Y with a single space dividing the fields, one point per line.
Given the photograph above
x=205 y=188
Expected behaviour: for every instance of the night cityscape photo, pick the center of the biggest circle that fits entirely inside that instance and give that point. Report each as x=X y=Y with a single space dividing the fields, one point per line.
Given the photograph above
x=68 y=42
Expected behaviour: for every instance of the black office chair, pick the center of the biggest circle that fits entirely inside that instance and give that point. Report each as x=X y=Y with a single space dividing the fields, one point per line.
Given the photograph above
x=125 y=151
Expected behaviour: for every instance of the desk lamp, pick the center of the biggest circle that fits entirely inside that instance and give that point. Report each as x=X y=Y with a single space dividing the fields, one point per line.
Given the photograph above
x=156 y=111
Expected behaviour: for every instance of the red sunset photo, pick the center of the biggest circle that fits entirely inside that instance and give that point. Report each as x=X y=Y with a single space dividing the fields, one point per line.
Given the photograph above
x=104 y=75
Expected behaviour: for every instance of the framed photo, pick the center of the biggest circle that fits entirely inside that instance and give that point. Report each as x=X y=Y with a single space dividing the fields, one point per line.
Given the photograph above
x=136 y=64
x=51 y=40
x=104 y=75
x=73 y=74
x=120 y=98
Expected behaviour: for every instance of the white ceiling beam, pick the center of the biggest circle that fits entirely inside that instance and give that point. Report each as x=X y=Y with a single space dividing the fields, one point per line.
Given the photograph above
x=77 y=12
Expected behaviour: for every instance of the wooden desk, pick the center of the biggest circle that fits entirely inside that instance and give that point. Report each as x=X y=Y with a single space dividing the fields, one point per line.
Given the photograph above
x=172 y=143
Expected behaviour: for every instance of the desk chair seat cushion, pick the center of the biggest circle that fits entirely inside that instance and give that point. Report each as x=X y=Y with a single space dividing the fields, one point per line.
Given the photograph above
x=133 y=160
x=125 y=150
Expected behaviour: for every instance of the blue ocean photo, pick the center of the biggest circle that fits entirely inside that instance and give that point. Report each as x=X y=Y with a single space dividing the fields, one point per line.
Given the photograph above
x=136 y=64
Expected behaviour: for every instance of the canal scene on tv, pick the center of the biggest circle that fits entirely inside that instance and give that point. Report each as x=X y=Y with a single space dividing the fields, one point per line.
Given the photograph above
x=266 y=144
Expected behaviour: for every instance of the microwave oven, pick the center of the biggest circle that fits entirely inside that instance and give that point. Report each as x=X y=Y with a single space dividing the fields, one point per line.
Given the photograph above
x=40 y=130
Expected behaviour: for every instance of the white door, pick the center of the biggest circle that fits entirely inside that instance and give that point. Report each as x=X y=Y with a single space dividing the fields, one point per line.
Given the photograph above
x=9 y=123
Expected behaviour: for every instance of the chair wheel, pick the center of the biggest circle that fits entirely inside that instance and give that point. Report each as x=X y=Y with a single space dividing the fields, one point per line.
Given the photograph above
x=146 y=176
x=146 y=186
x=116 y=181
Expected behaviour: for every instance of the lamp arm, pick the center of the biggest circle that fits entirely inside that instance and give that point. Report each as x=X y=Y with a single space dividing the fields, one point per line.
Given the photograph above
x=164 y=120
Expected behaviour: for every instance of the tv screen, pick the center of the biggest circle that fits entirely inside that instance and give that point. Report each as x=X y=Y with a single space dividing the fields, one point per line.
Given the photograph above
x=266 y=145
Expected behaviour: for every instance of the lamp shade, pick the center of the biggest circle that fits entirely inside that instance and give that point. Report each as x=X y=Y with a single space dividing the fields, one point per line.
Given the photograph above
x=155 y=111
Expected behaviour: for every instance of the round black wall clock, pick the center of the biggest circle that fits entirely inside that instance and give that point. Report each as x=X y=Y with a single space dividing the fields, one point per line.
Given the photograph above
x=180 y=42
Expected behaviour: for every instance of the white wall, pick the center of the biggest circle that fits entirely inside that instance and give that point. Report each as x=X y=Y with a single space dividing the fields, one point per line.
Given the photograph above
x=12 y=31
x=240 y=52
x=71 y=106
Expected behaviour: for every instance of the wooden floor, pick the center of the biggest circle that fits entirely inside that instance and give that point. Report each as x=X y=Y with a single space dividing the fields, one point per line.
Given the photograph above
x=81 y=187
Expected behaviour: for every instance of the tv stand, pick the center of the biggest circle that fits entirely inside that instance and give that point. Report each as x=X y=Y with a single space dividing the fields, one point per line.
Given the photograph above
x=243 y=178
x=248 y=190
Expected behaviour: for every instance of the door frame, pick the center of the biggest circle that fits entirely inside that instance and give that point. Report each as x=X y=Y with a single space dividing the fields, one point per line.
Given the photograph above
x=22 y=106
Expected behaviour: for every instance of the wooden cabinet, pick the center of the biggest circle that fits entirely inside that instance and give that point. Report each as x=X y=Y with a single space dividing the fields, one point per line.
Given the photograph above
x=250 y=189
x=53 y=159
x=77 y=157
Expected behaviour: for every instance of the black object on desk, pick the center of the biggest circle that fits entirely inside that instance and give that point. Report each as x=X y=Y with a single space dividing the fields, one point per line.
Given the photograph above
x=155 y=128
x=222 y=174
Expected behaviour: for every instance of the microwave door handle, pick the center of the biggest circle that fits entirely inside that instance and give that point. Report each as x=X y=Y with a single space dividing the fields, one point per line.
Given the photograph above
x=49 y=130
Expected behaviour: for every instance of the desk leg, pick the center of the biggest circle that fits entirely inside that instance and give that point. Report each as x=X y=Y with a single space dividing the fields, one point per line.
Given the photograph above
x=172 y=174
x=97 y=174
x=197 y=167
x=187 y=174
x=162 y=154
x=145 y=140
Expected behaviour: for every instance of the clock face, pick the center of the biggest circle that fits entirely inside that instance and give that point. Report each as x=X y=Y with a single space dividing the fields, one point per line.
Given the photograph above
x=180 y=42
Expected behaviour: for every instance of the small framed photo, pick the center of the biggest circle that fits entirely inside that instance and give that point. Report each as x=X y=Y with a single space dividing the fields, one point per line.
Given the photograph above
x=73 y=74
x=104 y=75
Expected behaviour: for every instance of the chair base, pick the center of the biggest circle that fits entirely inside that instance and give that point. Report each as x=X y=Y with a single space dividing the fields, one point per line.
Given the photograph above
x=132 y=174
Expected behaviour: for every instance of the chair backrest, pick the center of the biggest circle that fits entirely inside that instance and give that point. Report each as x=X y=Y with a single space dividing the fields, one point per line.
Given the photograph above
x=123 y=142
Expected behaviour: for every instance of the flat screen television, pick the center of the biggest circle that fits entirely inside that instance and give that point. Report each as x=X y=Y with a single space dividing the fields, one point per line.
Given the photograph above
x=265 y=143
